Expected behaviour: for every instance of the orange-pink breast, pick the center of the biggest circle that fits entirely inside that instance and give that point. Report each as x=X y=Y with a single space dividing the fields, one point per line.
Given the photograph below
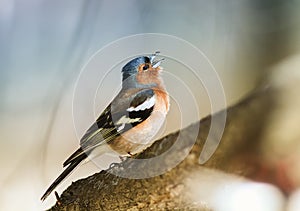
x=141 y=136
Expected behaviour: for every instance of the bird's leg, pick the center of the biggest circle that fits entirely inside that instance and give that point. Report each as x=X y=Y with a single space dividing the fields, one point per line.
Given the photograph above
x=122 y=158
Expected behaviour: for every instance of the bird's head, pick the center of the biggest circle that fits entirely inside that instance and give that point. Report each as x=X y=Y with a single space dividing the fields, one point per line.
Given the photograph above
x=142 y=67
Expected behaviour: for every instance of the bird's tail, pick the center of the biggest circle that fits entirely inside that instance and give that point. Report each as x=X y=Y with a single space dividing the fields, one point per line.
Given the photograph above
x=64 y=174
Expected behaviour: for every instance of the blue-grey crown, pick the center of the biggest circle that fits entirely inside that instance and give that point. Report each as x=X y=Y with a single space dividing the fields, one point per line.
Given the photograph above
x=131 y=67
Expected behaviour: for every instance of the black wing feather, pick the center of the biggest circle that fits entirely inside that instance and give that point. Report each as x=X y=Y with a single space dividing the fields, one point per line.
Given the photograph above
x=105 y=130
x=106 y=122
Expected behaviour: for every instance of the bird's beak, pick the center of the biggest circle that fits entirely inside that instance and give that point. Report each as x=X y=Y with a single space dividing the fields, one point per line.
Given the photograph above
x=155 y=63
x=152 y=57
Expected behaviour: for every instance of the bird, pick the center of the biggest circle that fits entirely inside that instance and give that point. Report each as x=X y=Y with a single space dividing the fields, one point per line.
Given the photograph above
x=132 y=119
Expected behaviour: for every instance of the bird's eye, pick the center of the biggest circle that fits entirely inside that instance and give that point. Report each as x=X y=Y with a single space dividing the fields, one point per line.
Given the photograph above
x=146 y=66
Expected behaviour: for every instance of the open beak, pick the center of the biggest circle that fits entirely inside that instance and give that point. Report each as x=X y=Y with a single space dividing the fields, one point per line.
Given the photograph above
x=155 y=63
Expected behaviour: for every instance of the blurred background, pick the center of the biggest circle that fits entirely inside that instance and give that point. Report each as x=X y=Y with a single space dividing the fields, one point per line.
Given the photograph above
x=44 y=44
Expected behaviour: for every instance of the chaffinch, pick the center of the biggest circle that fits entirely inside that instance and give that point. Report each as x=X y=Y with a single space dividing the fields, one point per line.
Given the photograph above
x=130 y=122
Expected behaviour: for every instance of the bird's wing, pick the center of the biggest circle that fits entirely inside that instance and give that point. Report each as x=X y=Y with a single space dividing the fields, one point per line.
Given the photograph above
x=125 y=111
